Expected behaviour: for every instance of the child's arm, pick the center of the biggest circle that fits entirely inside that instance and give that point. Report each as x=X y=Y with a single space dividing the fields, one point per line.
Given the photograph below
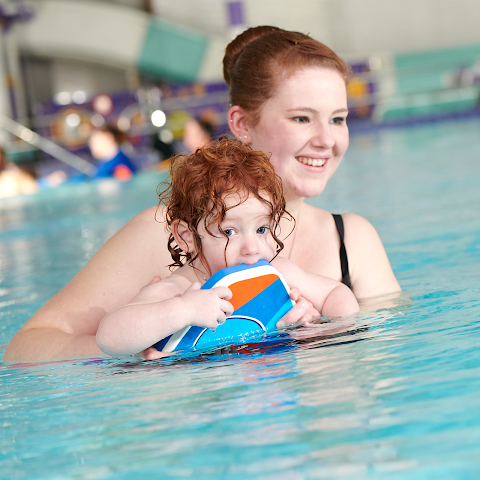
x=159 y=310
x=329 y=297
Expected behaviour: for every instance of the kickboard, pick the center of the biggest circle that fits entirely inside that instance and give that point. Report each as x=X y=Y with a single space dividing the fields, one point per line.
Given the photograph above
x=260 y=299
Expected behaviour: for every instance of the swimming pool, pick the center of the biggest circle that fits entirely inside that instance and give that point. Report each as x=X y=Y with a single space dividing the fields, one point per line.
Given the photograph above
x=394 y=395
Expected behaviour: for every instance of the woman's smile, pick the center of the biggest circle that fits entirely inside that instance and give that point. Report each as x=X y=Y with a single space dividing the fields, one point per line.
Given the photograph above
x=313 y=162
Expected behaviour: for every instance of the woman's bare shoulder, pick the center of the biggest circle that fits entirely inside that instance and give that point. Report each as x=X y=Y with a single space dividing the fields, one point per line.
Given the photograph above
x=361 y=239
x=370 y=271
x=322 y=217
x=356 y=220
x=152 y=215
x=362 y=229
x=143 y=235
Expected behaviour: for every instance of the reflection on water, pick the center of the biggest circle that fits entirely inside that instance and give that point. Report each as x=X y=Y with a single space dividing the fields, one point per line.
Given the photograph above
x=391 y=393
x=363 y=403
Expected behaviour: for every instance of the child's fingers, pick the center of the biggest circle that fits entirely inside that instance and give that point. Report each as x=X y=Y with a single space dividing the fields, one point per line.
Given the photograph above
x=311 y=314
x=208 y=308
x=294 y=294
x=226 y=307
x=293 y=315
x=223 y=292
x=152 y=353
x=302 y=312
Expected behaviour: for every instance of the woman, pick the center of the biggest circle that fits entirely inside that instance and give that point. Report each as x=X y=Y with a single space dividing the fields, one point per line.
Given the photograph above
x=288 y=96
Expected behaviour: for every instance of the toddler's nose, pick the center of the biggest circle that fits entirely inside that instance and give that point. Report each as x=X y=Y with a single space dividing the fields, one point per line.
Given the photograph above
x=250 y=246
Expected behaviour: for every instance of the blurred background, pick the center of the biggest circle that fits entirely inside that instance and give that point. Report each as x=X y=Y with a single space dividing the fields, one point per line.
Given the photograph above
x=150 y=67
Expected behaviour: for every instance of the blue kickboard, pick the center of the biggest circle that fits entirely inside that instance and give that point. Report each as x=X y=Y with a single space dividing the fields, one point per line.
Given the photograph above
x=260 y=298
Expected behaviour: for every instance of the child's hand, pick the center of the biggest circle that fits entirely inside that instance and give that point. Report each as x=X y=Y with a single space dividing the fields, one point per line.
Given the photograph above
x=302 y=313
x=151 y=353
x=207 y=308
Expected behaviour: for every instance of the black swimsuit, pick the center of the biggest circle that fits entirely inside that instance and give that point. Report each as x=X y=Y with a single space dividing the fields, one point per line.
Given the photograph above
x=343 y=252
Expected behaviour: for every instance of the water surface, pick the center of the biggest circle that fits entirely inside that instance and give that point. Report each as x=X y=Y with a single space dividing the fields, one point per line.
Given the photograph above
x=392 y=394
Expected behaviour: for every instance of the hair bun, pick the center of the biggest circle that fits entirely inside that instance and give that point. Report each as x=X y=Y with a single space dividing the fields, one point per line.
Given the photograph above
x=235 y=47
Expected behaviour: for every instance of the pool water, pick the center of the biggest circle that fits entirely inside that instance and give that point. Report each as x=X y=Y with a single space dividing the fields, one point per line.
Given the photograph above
x=393 y=393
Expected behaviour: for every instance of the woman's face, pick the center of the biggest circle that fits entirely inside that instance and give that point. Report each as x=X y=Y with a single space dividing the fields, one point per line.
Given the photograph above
x=303 y=125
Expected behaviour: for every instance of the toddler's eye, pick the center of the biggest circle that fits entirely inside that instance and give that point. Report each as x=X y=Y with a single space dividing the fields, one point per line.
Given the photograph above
x=229 y=232
x=301 y=119
x=262 y=230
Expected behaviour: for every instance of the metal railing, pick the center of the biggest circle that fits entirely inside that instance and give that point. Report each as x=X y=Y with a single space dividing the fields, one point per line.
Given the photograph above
x=47 y=146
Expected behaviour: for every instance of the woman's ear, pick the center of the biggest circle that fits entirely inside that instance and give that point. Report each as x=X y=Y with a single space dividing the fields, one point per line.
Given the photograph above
x=183 y=236
x=238 y=123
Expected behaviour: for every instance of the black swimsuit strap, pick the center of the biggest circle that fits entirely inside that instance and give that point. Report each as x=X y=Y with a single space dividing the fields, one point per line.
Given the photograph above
x=343 y=252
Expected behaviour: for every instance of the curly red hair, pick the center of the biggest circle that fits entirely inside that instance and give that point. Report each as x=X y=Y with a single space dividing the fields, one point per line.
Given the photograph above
x=199 y=183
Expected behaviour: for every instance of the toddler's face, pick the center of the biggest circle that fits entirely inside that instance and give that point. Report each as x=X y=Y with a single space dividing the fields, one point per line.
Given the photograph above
x=248 y=228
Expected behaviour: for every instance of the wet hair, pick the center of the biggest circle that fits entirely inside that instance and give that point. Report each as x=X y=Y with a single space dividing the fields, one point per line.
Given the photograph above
x=199 y=183
x=260 y=57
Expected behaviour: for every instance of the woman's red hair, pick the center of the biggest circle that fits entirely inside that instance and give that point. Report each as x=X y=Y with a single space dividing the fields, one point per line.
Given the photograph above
x=260 y=57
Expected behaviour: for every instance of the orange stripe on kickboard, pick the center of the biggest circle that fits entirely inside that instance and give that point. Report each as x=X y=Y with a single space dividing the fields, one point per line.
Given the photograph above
x=245 y=290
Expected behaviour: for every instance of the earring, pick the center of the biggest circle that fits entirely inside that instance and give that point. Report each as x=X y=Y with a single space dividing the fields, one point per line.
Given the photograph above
x=231 y=120
x=245 y=136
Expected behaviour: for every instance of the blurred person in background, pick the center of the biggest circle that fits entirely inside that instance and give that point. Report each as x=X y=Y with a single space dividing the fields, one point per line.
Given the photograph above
x=14 y=180
x=105 y=145
x=197 y=133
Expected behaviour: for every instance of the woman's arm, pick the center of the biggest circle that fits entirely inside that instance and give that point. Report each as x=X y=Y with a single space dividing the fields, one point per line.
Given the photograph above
x=370 y=270
x=329 y=297
x=66 y=325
